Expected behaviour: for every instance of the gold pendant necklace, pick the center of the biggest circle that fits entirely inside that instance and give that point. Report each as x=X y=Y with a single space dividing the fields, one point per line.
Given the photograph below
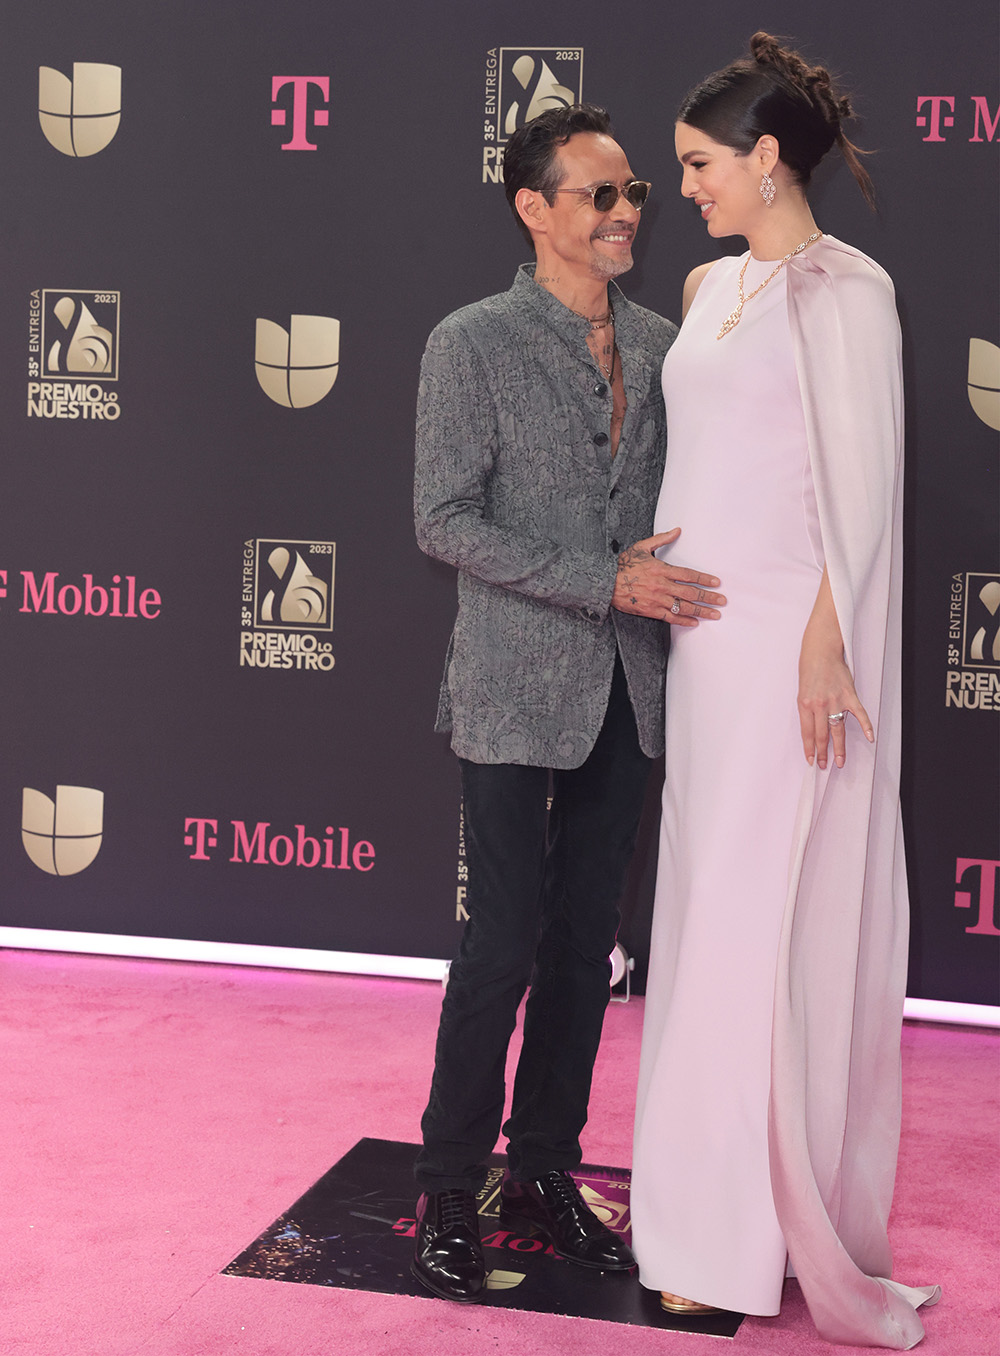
x=609 y=370
x=597 y=322
x=733 y=319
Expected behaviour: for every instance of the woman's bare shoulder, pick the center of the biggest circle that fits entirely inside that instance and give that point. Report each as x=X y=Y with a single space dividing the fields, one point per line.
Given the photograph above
x=692 y=282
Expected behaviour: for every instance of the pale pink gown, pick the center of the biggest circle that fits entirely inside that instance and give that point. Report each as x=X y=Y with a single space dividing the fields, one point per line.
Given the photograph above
x=768 y=1086
x=738 y=483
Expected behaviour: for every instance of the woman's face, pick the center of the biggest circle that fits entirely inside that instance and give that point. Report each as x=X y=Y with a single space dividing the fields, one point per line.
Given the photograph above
x=724 y=185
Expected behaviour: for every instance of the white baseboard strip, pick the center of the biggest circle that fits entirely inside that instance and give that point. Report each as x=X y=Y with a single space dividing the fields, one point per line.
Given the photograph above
x=354 y=963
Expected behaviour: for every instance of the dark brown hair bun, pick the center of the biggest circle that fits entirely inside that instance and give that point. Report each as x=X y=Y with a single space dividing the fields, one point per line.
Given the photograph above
x=776 y=92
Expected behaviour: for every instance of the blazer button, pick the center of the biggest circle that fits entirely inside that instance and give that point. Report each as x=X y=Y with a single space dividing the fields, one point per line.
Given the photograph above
x=616 y=545
x=600 y=440
x=600 y=389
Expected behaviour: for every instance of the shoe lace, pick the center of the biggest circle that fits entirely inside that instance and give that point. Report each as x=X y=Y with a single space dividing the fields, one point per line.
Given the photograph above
x=457 y=1208
x=565 y=1193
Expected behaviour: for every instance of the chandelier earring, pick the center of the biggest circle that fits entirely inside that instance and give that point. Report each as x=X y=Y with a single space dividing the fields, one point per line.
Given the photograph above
x=767 y=189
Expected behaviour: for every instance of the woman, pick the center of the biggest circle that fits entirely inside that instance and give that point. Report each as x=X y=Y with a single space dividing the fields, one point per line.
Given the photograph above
x=768 y=1108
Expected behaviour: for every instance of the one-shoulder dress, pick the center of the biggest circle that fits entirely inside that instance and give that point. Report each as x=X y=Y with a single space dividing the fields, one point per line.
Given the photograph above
x=768 y=1107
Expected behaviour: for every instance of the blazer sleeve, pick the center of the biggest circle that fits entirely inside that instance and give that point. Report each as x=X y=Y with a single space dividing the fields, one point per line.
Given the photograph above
x=456 y=446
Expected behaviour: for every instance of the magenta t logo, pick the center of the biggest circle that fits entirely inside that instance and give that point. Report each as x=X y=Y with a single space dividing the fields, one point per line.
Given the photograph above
x=988 y=869
x=200 y=834
x=300 y=108
x=937 y=103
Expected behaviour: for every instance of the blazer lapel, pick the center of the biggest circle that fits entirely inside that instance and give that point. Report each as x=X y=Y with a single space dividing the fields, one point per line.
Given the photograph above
x=636 y=377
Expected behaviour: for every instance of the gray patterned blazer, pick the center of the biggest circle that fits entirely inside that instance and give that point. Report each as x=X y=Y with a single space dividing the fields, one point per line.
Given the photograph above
x=516 y=487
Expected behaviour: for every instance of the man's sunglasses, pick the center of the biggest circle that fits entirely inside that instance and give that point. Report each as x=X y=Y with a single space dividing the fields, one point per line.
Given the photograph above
x=604 y=196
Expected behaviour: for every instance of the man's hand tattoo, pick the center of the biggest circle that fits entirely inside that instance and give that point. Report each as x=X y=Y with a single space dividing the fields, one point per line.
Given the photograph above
x=628 y=560
x=632 y=555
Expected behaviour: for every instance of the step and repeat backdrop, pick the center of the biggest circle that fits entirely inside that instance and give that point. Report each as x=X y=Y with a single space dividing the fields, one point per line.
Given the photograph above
x=228 y=229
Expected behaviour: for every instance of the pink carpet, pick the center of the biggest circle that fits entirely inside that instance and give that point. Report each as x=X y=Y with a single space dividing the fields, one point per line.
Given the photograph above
x=160 y=1115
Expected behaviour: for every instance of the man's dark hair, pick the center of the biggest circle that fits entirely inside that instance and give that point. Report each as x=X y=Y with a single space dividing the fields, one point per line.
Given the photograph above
x=529 y=160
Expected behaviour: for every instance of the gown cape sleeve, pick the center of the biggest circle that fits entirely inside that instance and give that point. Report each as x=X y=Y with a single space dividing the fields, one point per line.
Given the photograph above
x=834 y=1112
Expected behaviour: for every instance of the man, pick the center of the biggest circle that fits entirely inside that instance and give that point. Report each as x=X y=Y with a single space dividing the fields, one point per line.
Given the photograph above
x=540 y=443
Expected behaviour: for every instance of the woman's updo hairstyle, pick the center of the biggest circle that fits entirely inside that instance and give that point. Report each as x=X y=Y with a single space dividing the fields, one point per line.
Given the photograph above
x=773 y=92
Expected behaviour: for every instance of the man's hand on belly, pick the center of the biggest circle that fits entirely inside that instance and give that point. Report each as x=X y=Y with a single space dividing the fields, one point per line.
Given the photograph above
x=648 y=587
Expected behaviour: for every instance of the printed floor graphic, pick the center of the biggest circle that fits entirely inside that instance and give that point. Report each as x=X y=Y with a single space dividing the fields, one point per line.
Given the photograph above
x=354 y=1228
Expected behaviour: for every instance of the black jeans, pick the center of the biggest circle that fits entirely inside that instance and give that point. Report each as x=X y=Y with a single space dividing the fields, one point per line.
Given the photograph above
x=544 y=887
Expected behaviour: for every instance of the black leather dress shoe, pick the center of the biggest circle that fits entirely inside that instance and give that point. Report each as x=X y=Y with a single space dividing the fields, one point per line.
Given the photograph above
x=448 y=1258
x=554 y=1205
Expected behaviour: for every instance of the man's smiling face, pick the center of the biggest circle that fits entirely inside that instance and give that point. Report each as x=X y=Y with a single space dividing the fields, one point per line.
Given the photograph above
x=581 y=241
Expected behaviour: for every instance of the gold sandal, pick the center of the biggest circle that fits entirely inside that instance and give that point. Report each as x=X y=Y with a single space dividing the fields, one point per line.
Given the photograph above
x=676 y=1304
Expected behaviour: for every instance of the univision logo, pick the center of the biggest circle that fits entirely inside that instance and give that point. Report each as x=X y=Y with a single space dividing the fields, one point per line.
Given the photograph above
x=298 y=366
x=80 y=116
x=62 y=836
x=984 y=381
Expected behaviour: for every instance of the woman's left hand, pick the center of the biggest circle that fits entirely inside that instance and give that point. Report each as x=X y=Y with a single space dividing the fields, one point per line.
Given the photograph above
x=826 y=698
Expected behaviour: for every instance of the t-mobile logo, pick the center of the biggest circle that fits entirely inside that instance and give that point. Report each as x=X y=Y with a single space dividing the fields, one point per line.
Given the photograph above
x=300 y=108
x=982 y=892
x=936 y=112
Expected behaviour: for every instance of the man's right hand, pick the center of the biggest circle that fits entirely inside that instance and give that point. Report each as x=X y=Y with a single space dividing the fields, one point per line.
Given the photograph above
x=648 y=587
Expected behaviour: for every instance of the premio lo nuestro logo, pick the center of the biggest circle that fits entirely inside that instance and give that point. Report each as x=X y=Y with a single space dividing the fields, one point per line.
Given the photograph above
x=984 y=381
x=287 y=604
x=972 y=681
x=298 y=366
x=291 y=592
x=62 y=836
x=80 y=116
x=981 y=631
x=522 y=82
x=73 y=354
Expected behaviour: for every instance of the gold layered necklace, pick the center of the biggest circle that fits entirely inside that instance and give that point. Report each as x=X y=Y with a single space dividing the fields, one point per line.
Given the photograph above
x=733 y=319
x=598 y=323
x=608 y=371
